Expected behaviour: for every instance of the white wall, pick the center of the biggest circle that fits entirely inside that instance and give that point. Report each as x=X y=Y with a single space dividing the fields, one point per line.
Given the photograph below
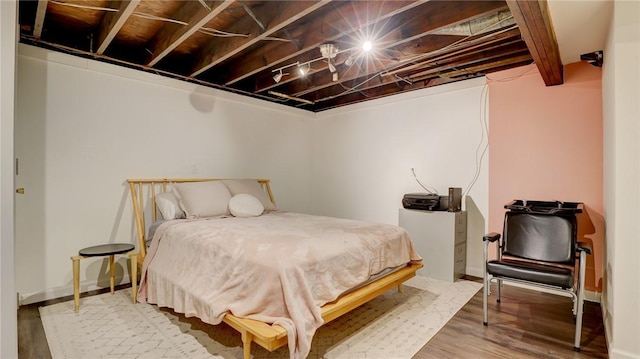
x=8 y=315
x=83 y=127
x=621 y=99
x=363 y=155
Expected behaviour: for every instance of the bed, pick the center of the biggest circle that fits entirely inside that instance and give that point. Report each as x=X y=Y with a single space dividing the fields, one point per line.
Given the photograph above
x=274 y=276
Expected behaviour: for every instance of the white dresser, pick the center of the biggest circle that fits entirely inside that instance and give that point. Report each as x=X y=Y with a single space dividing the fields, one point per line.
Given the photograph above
x=441 y=240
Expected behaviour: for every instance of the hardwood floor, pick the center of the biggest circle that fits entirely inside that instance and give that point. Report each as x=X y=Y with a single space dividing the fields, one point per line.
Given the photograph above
x=526 y=324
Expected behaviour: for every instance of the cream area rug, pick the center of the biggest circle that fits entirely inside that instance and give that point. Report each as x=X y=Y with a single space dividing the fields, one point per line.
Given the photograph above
x=394 y=325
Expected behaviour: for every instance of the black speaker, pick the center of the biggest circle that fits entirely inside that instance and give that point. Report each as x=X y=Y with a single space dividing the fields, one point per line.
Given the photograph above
x=595 y=58
x=455 y=199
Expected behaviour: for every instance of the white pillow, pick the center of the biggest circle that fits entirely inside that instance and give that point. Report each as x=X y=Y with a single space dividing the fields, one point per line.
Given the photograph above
x=252 y=187
x=202 y=199
x=245 y=205
x=169 y=206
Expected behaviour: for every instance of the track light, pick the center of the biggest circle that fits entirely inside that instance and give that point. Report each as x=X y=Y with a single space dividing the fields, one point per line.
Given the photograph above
x=277 y=77
x=349 y=61
x=303 y=69
x=332 y=67
x=329 y=51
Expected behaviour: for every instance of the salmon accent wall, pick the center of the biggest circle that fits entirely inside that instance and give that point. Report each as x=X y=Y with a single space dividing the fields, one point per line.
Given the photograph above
x=545 y=143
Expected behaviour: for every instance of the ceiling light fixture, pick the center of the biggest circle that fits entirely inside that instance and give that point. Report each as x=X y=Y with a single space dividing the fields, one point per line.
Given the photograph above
x=304 y=68
x=332 y=67
x=350 y=60
x=277 y=77
x=329 y=51
x=279 y=73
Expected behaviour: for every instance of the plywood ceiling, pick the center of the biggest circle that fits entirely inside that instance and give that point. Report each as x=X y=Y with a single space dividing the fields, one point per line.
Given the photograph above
x=239 y=46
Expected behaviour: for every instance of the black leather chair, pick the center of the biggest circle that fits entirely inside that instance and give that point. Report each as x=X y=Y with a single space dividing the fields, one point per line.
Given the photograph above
x=538 y=248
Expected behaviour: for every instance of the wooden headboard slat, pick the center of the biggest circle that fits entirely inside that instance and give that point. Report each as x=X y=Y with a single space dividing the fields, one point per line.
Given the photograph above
x=137 y=188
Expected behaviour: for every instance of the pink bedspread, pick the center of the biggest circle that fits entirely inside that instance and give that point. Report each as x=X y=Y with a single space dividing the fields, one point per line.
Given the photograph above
x=278 y=268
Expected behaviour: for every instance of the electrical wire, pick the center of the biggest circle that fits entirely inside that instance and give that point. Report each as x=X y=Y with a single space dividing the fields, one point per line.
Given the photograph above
x=484 y=130
x=204 y=30
x=80 y=6
x=430 y=190
x=485 y=127
x=507 y=79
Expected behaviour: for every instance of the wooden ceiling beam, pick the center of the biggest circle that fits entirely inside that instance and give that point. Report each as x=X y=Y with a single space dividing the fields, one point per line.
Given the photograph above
x=487 y=66
x=172 y=35
x=112 y=22
x=411 y=28
x=345 y=19
x=41 y=11
x=532 y=16
x=219 y=50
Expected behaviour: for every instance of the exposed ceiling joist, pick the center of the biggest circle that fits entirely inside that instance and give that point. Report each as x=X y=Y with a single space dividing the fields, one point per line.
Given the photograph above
x=532 y=16
x=171 y=36
x=112 y=22
x=39 y=22
x=217 y=51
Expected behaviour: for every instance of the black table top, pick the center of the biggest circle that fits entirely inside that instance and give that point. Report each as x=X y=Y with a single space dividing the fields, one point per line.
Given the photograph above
x=107 y=249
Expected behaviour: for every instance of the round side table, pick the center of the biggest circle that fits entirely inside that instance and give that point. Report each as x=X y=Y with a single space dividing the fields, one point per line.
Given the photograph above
x=105 y=250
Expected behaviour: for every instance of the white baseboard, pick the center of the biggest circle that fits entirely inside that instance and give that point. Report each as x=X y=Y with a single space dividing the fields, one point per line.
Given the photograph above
x=621 y=354
x=476 y=272
x=59 y=292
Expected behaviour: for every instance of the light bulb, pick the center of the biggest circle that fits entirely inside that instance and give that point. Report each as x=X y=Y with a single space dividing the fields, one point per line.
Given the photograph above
x=367 y=45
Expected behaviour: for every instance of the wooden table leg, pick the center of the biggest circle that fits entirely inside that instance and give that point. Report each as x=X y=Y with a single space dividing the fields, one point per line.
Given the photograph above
x=111 y=273
x=76 y=282
x=134 y=276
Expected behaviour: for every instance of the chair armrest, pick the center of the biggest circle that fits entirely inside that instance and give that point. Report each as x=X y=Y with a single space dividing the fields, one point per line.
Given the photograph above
x=583 y=247
x=491 y=237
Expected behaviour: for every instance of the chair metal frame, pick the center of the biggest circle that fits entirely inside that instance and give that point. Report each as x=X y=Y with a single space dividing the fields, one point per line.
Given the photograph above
x=576 y=291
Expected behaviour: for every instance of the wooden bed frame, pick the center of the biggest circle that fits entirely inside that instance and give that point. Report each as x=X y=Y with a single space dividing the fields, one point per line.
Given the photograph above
x=270 y=337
